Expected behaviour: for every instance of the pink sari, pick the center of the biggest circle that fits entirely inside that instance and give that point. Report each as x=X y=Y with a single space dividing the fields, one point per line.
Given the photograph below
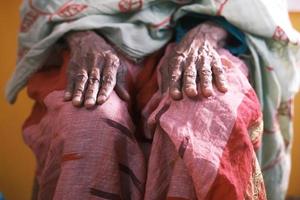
x=151 y=148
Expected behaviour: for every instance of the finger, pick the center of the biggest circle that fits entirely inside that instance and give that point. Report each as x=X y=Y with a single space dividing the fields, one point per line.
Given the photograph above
x=93 y=88
x=68 y=94
x=175 y=67
x=120 y=87
x=219 y=72
x=93 y=84
x=185 y=44
x=109 y=77
x=190 y=75
x=69 y=89
x=122 y=92
x=205 y=73
x=81 y=80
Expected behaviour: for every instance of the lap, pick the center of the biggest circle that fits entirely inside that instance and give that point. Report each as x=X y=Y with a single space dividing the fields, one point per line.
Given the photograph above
x=200 y=128
x=47 y=87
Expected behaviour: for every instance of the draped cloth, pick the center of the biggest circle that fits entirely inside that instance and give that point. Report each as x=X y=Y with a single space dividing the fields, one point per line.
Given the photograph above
x=190 y=149
x=140 y=27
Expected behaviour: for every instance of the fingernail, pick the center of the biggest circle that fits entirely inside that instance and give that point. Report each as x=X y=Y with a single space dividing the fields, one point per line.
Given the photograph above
x=101 y=99
x=191 y=92
x=126 y=97
x=89 y=103
x=76 y=101
x=224 y=88
x=207 y=92
x=176 y=94
x=67 y=96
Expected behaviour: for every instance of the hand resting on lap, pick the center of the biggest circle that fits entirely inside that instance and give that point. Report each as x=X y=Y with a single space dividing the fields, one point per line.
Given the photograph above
x=94 y=70
x=195 y=63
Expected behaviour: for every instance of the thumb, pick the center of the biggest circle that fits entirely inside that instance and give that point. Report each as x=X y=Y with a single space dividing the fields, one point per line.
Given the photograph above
x=120 y=87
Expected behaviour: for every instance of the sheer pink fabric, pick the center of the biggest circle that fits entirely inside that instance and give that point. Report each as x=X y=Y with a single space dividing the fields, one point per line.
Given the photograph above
x=154 y=147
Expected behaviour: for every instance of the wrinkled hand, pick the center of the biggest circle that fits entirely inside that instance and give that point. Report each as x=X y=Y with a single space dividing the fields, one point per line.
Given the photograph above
x=195 y=61
x=94 y=70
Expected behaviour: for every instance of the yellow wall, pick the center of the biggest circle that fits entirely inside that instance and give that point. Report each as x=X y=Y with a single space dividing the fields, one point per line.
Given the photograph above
x=294 y=188
x=16 y=161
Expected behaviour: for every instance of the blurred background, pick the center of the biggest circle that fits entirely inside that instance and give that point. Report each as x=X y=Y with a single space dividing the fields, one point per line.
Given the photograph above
x=16 y=161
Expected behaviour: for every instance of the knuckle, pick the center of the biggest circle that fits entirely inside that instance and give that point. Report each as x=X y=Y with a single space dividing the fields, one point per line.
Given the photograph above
x=205 y=72
x=80 y=87
x=176 y=71
x=192 y=59
x=73 y=63
x=175 y=76
x=207 y=78
x=221 y=79
x=174 y=85
x=78 y=92
x=81 y=77
x=91 y=91
x=216 y=60
x=113 y=60
x=218 y=70
x=113 y=56
x=206 y=83
x=190 y=67
x=94 y=76
x=176 y=60
x=189 y=84
x=180 y=58
x=190 y=73
x=95 y=72
x=103 y=91
x=93 y=80
x=207 y=58
x=82 y=72
x=108 y=79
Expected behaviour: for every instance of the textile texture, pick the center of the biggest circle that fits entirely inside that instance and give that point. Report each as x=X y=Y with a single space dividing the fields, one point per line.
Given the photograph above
x=151 y=148
x=141 y=27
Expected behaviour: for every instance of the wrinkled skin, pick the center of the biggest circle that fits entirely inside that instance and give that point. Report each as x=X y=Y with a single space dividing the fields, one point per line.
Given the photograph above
x=194 y=63
x=94 y=70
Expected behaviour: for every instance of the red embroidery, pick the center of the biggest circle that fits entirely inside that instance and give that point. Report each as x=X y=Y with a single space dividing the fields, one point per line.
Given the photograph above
x=71 y=156
x=21 y=53
x=31 y=17
x=269 y=68
x=28 y=20
x=182 y=2
x=278 y=158
x=33 y=7
x=279 y=34
x=221 y=7
x=286 y=143
x=70 y=10
x=66 y=11
x=161 y=24
x=285 y=109
x=130 y=5
x=269 y=131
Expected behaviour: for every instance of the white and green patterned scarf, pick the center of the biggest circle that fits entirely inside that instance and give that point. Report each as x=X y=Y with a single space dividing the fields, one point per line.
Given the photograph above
x=141 y=27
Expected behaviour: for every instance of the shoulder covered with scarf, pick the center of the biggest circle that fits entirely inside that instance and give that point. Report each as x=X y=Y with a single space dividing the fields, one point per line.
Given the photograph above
x=141 y=27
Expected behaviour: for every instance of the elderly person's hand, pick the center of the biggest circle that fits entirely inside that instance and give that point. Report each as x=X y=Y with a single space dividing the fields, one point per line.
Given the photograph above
x=94 y=70
x=194 y=60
